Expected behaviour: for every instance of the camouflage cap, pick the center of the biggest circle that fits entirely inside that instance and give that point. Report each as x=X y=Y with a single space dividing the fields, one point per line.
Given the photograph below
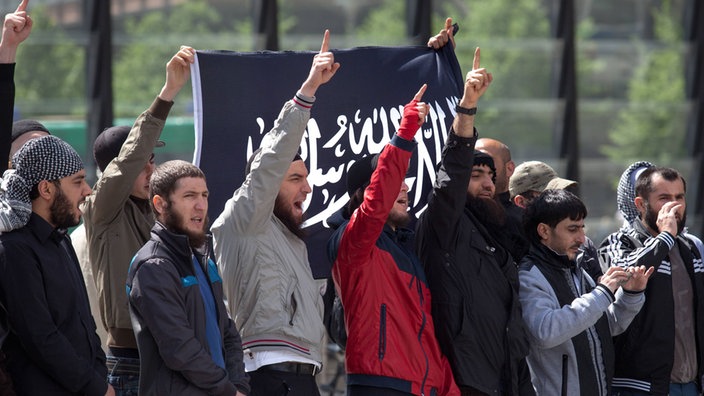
x=536 y=176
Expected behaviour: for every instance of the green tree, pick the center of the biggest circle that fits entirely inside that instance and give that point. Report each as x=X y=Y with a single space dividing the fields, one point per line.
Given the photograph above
x=651 y=125
x=385 y=24
x=152 y=40
x=50 y=78
x=514 y=36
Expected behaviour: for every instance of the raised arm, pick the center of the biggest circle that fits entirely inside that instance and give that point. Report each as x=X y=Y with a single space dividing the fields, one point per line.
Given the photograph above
x=178 y=71
x=323 y=69
x=15 y=29
x=368 y=220
x=446 y=35
x=476 y=83
x=449 y=195
x=115 y=185
x=252 y=204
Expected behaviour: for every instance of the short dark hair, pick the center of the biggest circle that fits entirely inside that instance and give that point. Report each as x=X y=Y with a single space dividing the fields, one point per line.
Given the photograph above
x=551 y=207
x=644 y=183
x=165 y=176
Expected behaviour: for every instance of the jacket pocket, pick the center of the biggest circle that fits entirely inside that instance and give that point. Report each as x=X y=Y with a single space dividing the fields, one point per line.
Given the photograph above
x=291 y=302
x=382 y=332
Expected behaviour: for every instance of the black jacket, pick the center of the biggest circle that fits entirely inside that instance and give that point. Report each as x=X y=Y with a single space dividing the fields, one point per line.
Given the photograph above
x=645 y=351
x=474 y=284
x=168 y=317
x=52 y=347
x=513 y=237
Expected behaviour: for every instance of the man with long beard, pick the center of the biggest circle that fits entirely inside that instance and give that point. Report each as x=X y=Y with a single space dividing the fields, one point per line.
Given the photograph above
x=663 y=349
x=473 y=279
x=270 y=290
x=187 y=342
x=52 y=347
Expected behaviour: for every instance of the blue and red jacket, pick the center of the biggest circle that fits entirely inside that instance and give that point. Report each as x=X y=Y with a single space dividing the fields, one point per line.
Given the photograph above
x=391 y=336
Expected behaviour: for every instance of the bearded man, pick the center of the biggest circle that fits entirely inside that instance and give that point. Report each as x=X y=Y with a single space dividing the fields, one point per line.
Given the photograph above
x=663 y=349
x=270 y=290
x=52 y=347
x=472 y=277
x=187 y=343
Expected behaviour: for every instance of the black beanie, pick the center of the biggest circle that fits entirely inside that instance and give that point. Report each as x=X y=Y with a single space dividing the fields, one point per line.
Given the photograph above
x=108 y=144
x=360 y=173
x=482 y=158
x=21 y=127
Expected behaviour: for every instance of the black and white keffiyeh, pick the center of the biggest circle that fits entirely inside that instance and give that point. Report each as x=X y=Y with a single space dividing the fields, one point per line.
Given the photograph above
x=626 y=191
x=44 y=158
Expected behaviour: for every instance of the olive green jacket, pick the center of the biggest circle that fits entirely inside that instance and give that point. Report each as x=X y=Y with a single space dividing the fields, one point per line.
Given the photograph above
x=117 y=225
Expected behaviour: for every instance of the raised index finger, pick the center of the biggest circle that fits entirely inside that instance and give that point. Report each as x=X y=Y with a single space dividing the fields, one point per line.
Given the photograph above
x=448 y=24
x=475 y=63
x=326 y=41
x=22 y=6
x=420 y=92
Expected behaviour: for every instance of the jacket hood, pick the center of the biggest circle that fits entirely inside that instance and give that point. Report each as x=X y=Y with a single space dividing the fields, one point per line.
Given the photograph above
x=626 y=191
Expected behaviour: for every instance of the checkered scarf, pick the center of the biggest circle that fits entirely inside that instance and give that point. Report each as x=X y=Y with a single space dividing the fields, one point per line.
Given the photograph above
x=44 y=158
x=626 y=191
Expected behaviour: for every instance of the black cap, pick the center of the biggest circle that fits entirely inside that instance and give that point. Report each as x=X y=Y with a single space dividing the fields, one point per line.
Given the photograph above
x=108 y=144
x=482 y=158
x=360 y=173
x=21 y=127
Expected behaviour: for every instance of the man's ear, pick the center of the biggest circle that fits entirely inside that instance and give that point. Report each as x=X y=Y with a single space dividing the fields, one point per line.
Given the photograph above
x=640 y=204
x=543 y=231
x=159 y=204
x=510 y=167
x=46 y=189
x=520 y=201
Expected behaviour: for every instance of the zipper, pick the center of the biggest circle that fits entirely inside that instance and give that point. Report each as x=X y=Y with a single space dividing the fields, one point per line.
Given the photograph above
x=382 y=332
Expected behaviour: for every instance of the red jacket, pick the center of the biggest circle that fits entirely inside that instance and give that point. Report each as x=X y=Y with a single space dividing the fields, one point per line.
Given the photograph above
x=391 y=336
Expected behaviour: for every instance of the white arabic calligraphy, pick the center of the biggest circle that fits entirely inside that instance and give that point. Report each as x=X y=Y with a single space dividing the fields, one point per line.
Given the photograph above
x=367 y=135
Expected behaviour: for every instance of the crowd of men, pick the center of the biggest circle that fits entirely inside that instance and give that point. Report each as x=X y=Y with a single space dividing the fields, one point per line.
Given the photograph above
x=499 y=292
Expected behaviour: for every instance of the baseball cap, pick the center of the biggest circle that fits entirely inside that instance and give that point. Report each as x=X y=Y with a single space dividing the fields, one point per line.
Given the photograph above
x=108 y=144
x=536 y=176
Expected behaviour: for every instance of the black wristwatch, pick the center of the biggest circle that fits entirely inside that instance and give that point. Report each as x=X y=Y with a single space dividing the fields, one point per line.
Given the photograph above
x=465 y=110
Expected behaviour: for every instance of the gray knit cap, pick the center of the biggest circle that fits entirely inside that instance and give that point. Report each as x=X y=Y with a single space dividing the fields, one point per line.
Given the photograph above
x=626 y=191
x=44 y=158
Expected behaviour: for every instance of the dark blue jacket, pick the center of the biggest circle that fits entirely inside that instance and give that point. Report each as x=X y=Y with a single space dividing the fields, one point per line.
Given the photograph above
x=168 y=317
